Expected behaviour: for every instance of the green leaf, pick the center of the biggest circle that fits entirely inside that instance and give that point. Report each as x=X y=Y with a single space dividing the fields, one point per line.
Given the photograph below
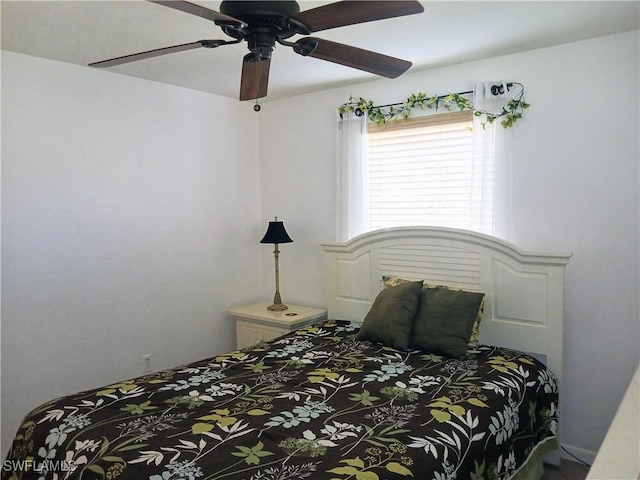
x=479 y=471
x=257 y=367
x=395 y=467
x=96 y=469
x=257 y=412
x=354 y=462
x=132 y=447
x=104 y=447
x=457 y=410
x=111 y=458
x=243 y=450
x=201 y=428
x=477 y=402
x=367 y=476
x=137 y=409
x=441 y=416
x=251 y=455
x=344 y=471
x=373 y=442
x=365 y=398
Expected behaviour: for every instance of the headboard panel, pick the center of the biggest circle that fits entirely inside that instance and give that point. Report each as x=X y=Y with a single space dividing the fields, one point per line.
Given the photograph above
x=439 y=263
x=523 y=291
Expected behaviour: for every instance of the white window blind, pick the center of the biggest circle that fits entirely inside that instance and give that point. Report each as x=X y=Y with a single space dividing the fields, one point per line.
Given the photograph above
x=424 y=172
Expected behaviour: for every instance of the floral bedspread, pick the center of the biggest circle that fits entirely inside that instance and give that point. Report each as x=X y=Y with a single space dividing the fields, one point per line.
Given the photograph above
x=314 y=404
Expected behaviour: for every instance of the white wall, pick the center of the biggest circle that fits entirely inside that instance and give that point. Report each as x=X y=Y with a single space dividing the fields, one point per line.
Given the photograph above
x=574 y=172
x=130 y=223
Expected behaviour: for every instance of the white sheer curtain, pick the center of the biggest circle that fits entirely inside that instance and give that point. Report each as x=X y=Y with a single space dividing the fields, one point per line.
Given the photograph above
x=489 y=150
x=489 y=190
x=352 y=176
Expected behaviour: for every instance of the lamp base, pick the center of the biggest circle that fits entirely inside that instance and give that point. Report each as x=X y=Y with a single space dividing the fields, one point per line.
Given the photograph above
x=277 y=307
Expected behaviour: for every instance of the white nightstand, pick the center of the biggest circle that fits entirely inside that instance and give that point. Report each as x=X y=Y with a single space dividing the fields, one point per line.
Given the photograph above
x=255 y=324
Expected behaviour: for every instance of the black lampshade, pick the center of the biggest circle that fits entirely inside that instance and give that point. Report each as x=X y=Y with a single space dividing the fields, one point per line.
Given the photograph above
x=276 y=233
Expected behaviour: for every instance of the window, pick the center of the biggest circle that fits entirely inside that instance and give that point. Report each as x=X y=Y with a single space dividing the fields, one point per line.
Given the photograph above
x=426 y=171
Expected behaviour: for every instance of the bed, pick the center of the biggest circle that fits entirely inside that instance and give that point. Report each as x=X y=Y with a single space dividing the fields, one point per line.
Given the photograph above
x=327 y=401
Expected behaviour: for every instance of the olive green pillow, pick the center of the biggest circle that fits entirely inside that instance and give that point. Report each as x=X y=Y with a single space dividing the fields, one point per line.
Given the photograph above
x=390 y=281
x=444 y=321
x=391 y=316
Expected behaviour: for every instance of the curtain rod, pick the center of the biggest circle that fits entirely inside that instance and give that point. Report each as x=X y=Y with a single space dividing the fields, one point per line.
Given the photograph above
x=495 y=90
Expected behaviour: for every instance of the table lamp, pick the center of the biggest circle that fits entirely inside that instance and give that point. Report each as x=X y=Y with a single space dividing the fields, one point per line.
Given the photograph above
x=276 y=234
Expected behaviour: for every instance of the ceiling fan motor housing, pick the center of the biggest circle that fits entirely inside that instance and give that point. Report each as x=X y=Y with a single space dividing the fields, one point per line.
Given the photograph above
x=238 y=8
x=266 y=23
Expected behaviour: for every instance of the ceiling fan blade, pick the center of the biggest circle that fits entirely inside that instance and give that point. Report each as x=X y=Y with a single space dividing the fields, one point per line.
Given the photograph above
x=353 y=57
x=350 y=12
x=200 y=11
x=255 y=77
x=157 y=52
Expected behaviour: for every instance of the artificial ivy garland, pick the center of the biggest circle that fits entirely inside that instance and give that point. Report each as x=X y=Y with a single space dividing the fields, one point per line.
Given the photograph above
x=401 y=111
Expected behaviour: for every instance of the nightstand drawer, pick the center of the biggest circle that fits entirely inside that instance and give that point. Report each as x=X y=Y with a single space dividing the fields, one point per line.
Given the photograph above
x=255 y=324
x=250 y=333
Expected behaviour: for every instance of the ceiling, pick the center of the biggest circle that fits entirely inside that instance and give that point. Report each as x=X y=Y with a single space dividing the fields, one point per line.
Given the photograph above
x=448 y=32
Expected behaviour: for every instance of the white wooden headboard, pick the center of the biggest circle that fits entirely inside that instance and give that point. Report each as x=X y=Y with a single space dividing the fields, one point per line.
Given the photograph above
x=523 y=291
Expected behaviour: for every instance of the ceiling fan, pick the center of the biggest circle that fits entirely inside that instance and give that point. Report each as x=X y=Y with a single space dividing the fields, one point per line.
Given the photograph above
x=262 y=24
